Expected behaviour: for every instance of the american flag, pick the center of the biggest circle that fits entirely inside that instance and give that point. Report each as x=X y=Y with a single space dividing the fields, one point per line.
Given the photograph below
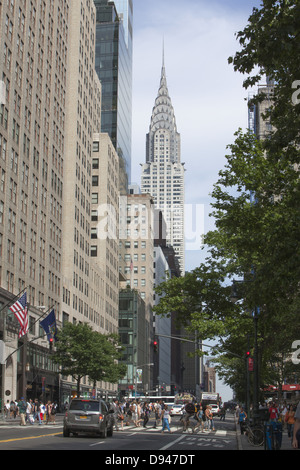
x=19 y=309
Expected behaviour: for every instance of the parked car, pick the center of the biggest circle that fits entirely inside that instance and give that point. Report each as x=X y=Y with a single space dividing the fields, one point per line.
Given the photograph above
x=88 y=416
x=215 y=409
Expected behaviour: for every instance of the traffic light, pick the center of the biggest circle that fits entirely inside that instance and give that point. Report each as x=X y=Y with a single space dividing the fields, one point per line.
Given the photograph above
x=155 y=346
x=248 y=354
x=50 y=343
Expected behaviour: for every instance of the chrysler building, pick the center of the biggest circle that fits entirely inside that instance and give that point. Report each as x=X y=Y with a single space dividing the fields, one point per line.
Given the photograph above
x=163 y=172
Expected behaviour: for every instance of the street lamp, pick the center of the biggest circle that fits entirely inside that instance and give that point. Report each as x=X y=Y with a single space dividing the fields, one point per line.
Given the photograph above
x=135 y=379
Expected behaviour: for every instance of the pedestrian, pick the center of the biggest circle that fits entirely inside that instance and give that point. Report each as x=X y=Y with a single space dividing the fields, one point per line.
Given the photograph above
x=50 y=411
x=146 y=414
x=222 y=413
x=29 y=412
x=283 y=413
x=128 y=413
x=206 y=418
x=139 y=414
x=121 y=415
x=36 y=411
x=290 y=420
x=296 y=432
x=42 y=411
x=134 y=411
x=199 y=418
x=7 y=409
x=116 y=410
x=53 y=412
x=273 y=413
x=157 y=411
x=211 y=418
x=13 y=409
x=22 y=405
x=165 y=419
x=242 y=418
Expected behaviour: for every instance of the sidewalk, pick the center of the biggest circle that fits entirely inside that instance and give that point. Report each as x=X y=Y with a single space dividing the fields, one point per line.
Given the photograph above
x=16 y=422
x=243 y=443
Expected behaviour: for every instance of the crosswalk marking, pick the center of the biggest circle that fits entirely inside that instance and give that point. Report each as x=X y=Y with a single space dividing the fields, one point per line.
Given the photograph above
x=134 y=429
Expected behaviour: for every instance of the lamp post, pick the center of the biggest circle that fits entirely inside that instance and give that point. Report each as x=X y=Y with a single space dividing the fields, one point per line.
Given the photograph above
x=255 y=377
x=135 y=379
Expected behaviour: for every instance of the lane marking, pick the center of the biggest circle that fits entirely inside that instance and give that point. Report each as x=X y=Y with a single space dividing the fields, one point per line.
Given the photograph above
x=31 y=437
x=172 y=443
x=96 y=444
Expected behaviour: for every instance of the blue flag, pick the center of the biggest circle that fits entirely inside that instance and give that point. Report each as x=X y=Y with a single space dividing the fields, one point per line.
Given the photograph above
x=49 y=325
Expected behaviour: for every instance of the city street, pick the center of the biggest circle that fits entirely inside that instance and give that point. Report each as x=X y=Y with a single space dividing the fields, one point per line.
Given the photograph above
x=130 y=441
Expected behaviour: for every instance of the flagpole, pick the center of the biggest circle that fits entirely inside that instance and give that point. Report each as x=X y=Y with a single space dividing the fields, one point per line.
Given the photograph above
x=49 y=310
x=11 y=302
x=3 y=366
x=24 y=355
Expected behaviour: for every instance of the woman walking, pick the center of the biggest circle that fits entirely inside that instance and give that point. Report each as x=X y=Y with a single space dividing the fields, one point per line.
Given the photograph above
x=165 y=419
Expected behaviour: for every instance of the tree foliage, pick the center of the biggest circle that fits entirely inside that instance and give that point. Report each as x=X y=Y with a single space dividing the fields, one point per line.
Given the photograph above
x=81 y=351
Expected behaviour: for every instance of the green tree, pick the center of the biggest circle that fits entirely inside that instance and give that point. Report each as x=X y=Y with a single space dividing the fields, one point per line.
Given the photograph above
x=81 y=352
x=270 y=47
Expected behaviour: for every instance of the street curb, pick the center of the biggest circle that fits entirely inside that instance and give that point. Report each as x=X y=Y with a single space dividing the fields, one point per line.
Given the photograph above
x=238 y=434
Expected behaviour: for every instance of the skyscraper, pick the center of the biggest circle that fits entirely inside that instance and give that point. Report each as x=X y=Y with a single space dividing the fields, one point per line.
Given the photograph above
x=114 y=68
x=163 y=172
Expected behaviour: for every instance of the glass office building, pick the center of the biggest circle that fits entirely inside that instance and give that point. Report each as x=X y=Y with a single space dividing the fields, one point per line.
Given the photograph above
x=114 y=69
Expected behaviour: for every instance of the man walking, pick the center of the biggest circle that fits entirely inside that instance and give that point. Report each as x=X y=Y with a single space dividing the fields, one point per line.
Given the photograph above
x=22 y=405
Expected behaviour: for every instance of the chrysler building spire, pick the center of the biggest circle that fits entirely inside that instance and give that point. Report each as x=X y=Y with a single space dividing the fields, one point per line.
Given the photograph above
x=163 y=173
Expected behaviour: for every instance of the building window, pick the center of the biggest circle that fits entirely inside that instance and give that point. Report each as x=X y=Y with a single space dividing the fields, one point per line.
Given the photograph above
x=94 y=251
x=95 y=198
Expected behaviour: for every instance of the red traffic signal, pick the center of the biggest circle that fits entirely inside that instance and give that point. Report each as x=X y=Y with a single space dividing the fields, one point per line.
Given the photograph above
x=155 y=346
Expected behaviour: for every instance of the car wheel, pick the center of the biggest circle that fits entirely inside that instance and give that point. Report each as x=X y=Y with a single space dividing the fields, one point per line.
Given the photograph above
x=110 y=432
x=104 y=433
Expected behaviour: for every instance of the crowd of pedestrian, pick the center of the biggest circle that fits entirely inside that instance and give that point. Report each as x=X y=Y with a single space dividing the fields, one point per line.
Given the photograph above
x=286 y=415
x=31 y=411
x=129 y=412
x=138 y=414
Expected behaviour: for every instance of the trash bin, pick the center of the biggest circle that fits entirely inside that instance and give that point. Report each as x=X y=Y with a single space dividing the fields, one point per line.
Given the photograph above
x=273 y=436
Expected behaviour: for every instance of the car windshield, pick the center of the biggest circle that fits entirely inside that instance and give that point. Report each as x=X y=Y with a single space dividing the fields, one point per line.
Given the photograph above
x=82 y=405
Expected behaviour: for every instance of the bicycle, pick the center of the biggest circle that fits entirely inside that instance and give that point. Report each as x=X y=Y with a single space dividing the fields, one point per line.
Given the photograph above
x=255 y=434
x=185 y=426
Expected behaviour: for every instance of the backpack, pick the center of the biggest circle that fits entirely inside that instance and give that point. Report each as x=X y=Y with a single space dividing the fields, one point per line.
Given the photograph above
x=189 y=408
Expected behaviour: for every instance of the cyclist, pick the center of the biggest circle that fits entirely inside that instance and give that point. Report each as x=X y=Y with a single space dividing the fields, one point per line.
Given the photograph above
x=188 y=412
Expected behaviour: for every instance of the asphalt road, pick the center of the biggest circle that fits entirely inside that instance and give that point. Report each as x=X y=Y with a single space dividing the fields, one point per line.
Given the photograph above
x=131 y=443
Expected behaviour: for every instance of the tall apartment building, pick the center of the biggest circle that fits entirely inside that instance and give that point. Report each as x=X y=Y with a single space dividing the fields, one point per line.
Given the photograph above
x=162 y=325
x=114 y=56
x=163 y=173
x=48 y=115
x=35 y=39
x=136 y=264
x=105 y=224
x=83 y=114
